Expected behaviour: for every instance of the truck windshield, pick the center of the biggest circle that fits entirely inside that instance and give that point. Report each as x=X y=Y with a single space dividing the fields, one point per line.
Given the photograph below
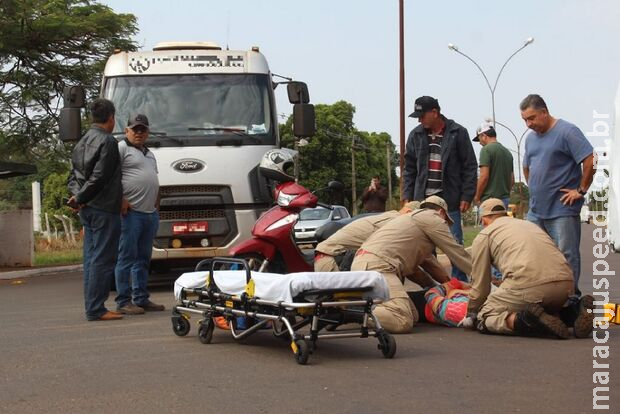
x=205 y=109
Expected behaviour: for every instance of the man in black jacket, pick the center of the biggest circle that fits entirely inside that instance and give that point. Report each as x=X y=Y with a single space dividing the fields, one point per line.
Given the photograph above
x=95 y=185
x=440 y=160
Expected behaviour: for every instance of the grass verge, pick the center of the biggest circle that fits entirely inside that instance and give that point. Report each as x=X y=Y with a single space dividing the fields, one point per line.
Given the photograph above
x=58 y=257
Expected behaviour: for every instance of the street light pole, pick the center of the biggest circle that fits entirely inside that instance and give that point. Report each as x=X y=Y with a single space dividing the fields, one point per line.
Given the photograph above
x=518 y=142
x=492 y=89
x=401 y=73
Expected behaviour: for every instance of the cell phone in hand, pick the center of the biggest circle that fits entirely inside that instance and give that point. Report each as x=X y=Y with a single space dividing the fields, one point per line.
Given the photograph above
x=65 y=201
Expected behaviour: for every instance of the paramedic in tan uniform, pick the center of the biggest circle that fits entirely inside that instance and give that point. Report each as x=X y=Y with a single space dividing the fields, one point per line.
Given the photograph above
x=537 y=280
x=351 y=237
x=398 y=248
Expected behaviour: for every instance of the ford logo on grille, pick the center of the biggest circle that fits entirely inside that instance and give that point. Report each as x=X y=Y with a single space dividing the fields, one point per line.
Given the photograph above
x=188 y=165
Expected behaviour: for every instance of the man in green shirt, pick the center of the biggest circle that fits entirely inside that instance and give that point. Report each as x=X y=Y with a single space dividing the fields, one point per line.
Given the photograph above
x=496 y=170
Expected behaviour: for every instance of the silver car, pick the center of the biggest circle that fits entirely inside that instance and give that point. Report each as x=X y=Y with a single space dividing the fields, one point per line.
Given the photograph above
x=311 y=219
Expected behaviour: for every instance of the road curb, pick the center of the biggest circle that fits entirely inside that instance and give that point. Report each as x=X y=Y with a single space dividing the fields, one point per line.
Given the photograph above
x=41 y=271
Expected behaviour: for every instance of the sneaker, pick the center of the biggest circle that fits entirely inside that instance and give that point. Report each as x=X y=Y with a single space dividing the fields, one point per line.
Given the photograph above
x=130 y=309
x=584 y=322
x=152 y=307
x=546 y=323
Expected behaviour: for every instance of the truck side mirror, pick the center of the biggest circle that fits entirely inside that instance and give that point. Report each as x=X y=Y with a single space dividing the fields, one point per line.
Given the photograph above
x=303 y=120
x=297 y=92
x=70 y=123
x=74 y=97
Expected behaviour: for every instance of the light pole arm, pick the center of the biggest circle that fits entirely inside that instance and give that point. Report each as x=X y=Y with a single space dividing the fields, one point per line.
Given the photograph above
x=505 y=63
x=478 y=66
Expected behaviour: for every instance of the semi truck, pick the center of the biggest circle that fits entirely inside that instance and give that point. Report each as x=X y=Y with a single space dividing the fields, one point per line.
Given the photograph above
x=212 y=116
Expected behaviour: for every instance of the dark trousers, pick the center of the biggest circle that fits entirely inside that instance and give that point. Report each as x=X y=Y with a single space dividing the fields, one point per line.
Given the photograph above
x=101 y=237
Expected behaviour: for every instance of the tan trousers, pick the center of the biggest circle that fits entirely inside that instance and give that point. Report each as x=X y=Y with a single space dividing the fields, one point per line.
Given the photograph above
x=397 y=315
x=503 y=302
x=325 y=263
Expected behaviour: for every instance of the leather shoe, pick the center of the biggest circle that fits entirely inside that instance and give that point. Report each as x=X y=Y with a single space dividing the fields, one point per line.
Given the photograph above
x=110 y=316
x=152 y=307
x=130 y=309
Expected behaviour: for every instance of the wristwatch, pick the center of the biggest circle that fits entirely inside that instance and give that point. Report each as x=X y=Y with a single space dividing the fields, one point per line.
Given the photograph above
x=581 y=191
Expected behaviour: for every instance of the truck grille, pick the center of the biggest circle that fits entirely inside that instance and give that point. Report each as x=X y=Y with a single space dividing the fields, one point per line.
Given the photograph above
x=191 y=214
x=172 y=190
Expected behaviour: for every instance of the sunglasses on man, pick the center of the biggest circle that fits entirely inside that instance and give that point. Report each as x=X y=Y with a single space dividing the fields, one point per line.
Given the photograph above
x=139 y=129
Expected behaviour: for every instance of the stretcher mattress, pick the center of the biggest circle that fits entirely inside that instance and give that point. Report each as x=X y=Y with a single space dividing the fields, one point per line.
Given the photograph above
x=277 y=287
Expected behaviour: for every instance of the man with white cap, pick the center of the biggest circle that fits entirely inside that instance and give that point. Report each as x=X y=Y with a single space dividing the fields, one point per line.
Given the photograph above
x=496 y=176
x=537 y=281
x=399 y=247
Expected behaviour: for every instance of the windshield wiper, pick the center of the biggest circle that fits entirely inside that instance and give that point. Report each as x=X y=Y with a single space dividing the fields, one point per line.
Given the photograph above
x=153 y=133
x=237 y=131
x=225 y=129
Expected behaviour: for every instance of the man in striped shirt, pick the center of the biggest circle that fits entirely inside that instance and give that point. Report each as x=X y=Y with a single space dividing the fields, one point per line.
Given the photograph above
x=440 y=161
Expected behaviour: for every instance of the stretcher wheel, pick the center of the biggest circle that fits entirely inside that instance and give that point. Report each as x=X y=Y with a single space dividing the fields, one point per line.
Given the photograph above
x=303 y=351
x=180 y=325
x=205 y=331
x=387 y=344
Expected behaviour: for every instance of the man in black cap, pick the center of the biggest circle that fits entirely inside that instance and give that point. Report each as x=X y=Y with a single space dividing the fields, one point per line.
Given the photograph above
x=140 y=219
x=440 y=160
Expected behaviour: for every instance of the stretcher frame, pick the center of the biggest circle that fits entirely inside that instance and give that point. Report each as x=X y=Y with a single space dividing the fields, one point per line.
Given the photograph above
x=322 y=310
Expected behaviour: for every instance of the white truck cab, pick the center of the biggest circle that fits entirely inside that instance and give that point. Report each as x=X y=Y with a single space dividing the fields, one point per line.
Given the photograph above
x=613 y=206
x=212 y=116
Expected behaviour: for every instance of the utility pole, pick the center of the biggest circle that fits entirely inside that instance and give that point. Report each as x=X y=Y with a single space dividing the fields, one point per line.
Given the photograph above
x=353 y=185
x=401 y=72
x=389 y=173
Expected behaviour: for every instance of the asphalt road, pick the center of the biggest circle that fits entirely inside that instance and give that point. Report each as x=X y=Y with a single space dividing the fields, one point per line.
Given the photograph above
x=53 y=361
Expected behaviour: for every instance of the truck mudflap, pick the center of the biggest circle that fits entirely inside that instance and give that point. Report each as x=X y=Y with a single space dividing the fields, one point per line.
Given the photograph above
x=265 y=249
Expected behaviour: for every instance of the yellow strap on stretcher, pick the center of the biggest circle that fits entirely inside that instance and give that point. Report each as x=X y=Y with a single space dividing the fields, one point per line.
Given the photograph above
x=250 y=288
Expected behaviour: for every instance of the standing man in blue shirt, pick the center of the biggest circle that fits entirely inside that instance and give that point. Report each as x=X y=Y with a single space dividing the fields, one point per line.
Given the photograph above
x=559 y=167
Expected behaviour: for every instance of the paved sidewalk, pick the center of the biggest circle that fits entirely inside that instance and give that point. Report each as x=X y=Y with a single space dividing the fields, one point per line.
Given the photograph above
x=38 y=271
x=6 y=274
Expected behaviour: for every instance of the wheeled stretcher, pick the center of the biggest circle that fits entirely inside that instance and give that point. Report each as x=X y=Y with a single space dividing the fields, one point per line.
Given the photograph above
x=301 y=307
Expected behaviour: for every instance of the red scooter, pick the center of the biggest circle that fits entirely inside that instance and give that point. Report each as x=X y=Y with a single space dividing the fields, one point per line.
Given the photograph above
x=272 y=247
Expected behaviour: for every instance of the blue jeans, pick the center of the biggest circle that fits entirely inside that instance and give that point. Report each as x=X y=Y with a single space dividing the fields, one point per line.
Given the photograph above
x=457 y=232
x=101 y=235
x=134 y=257
x=566 y=234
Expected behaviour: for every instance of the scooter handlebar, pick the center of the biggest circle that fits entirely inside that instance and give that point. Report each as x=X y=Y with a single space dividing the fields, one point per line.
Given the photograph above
x=327 y=206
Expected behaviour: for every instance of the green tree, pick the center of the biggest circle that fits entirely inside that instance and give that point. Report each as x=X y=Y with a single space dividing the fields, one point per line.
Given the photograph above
x=54 y=190
x=328 y=154
x=44 y=46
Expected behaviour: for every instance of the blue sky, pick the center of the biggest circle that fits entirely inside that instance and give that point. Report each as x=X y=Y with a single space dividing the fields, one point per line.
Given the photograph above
x=348 y=49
